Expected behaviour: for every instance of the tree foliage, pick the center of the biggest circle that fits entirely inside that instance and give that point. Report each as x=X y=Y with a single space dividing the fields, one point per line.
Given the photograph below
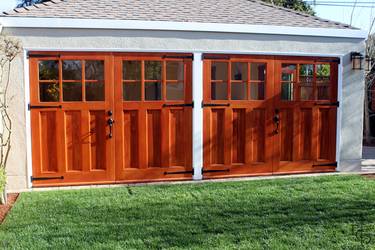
x=24 y=3
x=297 y=5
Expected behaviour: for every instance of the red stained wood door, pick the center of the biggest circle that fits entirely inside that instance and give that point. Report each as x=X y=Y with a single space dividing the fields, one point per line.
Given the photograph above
x=306 y=105
x=70 y=96
x=237 y=116
x=268 y=115
x=153 y=117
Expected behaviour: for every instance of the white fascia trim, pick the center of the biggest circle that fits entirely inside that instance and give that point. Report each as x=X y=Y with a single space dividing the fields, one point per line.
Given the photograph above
x=136 y=50
x=69 y=23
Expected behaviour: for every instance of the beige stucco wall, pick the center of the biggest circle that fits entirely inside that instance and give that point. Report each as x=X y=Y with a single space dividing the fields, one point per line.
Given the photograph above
x=116 y=40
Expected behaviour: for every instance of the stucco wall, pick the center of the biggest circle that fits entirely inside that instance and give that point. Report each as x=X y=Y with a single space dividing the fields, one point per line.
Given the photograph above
x=352 y=89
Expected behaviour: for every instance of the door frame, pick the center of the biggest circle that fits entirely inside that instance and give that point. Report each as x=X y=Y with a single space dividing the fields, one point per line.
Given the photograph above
x=197 y=92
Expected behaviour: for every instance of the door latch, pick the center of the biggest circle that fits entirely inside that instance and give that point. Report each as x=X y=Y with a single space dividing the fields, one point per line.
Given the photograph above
x=110 y=123
x=276 y=120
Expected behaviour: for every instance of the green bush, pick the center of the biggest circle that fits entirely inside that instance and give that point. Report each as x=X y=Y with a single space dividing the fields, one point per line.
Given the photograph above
x=2 y=179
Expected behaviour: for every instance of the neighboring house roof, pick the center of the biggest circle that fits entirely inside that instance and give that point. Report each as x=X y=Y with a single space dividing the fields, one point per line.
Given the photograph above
x=250 y=12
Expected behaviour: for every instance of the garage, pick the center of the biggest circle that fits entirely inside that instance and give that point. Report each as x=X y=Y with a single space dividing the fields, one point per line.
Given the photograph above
x=137 y=91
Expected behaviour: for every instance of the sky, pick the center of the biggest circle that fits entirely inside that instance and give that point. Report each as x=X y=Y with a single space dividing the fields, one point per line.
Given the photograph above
x=362 y=16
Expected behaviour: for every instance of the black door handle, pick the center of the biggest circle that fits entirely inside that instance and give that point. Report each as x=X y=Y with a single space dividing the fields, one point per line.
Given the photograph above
x=276 y=120
x=110 y=122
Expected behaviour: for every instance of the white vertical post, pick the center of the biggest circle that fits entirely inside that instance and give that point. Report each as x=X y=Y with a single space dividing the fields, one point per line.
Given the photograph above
x=197 y=116
x=28 y=119
x=339 y=112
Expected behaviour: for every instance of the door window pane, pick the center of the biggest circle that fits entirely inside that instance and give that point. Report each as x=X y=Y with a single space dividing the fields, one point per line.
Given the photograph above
x=175 y=70
x=94 y=70
x=219 y=91
x=94 y=84
x=257 y=91
x=94 y=91
x=289 y=72
x=131 y=91
x=257 y=71
x=175 y=91
x=239 y=71
x=324 y=92
x=238 y=91
x=306 y=77
x=153 y=70
x=131 y=70
x=72 y=70
x=306 y=73
x=219 y=71
x=307 y=92
x=49 y=70
x=323 y=72
x=287 y=91
x=72 y=91
x=49 y=92
x=153 y=91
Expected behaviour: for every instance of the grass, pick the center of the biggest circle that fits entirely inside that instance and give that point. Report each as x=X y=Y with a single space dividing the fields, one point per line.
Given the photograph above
x=330 y=212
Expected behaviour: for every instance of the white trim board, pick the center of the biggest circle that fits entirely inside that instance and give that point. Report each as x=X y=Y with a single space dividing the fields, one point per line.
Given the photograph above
x=137 y=50
x=75 y=23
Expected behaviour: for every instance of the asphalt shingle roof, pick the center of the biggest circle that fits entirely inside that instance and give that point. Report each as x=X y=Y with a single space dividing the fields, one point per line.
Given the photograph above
x=252 y=12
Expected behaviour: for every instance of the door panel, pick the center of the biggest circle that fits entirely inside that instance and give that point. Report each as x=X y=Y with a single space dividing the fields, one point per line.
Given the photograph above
x=70 y=142
x=306 y=99
x=237 y=116
x=154 y=104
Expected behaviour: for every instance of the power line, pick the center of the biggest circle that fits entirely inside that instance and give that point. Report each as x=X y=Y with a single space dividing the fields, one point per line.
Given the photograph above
x=340 y=4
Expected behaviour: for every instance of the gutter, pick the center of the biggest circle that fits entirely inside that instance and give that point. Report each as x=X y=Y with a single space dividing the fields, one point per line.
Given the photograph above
x=109 y=24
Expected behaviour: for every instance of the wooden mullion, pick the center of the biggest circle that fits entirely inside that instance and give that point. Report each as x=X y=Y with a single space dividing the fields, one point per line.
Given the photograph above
x=229 y=81
x=248 y=82
x=315 y=88
x=142 y=80
x=297 y=90
x=83 y=82
x=60 y=81
x=164 y=80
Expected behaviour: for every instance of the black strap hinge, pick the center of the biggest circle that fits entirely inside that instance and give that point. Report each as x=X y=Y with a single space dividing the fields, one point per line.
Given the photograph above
x=44 y=107
x=333 y=104
x=47 y=178
x=179 y=57
x=215 y=170
x=42 y=55
x=179 y=105
x=328 y=164
x=180 y=172
x=215 y=105
x=215 y=57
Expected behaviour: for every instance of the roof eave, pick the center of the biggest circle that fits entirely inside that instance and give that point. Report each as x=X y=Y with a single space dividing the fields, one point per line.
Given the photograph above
x=73 y=23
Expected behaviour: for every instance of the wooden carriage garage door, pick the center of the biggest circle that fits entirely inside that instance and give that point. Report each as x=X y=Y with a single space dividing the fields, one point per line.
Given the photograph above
x=268 y=115
x=104 y=118
x=70 y=100
x=154 y=113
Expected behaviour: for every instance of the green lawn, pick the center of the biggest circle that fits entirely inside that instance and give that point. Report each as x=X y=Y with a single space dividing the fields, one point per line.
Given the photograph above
x=330 y=212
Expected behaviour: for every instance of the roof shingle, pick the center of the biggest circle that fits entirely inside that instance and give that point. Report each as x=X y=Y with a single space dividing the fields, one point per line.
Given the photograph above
x=253 y=12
